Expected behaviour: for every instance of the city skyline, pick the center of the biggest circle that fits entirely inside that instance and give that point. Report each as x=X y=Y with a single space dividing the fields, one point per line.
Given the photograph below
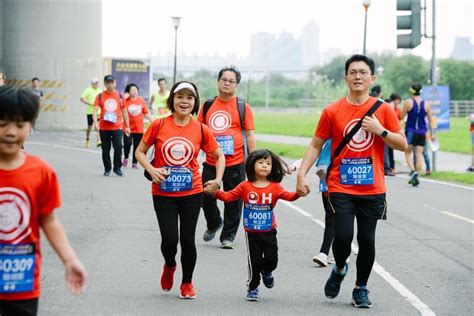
x=225 y=27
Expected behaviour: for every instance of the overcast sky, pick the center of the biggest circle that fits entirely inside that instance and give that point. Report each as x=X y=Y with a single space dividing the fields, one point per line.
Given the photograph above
x=136 y=28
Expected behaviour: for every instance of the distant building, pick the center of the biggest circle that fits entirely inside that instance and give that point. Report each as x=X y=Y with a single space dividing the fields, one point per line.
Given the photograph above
x=463 y=49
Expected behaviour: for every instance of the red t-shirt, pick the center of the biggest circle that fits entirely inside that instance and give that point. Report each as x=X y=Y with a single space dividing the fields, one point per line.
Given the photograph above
x=179 y=146
x=136 y=109
x=224 y=122
x=26 y=194
x=252 y=195
x=335 y=122
x=110 y=110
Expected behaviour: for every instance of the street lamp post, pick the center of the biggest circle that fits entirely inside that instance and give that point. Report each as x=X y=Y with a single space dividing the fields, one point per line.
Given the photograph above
x=366 y=4
x=176 y=20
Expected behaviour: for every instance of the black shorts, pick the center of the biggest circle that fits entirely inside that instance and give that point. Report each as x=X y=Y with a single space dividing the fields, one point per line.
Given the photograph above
x=372 y=206
x=90 y=121
x=19 y=307
x=416 y=139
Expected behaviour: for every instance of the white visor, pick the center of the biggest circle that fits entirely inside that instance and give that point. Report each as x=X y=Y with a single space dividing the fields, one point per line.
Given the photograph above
x=185 y=85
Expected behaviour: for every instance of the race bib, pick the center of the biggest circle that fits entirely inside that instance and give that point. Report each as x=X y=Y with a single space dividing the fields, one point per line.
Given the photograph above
x=179 y=179
x=17 y=267
x=110 y=117
x=357 y=171
x=226 y=142
x=258 y=217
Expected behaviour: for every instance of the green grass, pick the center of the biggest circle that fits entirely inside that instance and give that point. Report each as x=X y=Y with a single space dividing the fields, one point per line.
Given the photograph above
x=465 y=178
x=284 y=150
x=457 y=139
x=290 y=124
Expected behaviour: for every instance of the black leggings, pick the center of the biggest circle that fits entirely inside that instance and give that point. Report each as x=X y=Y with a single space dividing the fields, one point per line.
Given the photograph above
x=343 y=234
x=127 y=144
x=328 y=225
x=168 y=209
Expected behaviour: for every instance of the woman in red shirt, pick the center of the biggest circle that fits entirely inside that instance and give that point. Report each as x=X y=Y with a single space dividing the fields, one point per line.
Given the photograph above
x=177 y=185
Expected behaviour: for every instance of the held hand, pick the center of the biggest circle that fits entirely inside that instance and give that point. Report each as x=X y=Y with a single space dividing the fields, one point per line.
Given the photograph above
x=211 y=187
x=302 y=187
x=127 y=131
x=158 y=175
x=372 y=125
x=76 y=276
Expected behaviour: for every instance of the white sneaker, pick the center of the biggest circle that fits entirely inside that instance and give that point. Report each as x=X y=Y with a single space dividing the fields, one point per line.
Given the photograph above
x=321 y=259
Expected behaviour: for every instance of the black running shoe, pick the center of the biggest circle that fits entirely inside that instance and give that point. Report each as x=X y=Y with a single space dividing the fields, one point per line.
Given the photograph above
x=333 y=284
x=360 y=298
x=268 y=280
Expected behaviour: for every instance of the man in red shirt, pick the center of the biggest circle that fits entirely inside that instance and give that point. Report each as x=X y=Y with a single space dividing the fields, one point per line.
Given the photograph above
x=224 y=121
x=355 y=179
x=112 y=117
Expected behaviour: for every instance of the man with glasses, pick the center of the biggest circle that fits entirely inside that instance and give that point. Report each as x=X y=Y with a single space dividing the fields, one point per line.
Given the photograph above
x=355 y=178
x=224 y=116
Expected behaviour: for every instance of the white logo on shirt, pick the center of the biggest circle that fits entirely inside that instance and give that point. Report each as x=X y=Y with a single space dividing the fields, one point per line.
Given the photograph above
x=110 y=105
x=362 y=140
x=134 y=109
x=177 y=151
x=253 y=197
x=220 y=121
x=15 y=213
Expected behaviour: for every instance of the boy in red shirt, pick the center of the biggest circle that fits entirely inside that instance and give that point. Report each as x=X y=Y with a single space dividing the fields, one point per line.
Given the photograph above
x=25 y=206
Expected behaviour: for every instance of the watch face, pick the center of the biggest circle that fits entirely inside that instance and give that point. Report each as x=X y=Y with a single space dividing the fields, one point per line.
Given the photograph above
x=384 y=133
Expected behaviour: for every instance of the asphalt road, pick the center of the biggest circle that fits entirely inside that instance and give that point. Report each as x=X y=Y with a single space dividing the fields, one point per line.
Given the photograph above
x=424 y=250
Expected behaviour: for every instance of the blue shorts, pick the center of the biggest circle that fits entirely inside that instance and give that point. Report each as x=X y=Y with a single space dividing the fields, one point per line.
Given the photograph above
x=472 y=139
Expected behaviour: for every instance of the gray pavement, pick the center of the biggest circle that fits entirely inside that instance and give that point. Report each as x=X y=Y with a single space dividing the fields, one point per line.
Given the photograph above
x=445 y=161
x=112 y=225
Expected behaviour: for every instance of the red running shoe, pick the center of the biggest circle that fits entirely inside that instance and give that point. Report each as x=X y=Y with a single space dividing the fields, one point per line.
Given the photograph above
x=187 y=291
x=167 y=277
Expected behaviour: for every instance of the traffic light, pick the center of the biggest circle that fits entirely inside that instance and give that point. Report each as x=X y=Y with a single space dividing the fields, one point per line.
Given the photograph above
x=409 y=22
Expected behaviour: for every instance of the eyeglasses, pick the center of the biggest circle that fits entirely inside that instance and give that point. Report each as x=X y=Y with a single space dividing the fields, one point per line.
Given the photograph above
x=362 y=73
x=231 y=82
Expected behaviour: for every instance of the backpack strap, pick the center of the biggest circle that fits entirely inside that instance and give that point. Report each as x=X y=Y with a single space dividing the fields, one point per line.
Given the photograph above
x=206 y=107
x=241 y=109
x=352 y=132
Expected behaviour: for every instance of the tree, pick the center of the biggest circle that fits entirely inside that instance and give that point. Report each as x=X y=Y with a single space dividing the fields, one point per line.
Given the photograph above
x=459 y=76
x=401 y=72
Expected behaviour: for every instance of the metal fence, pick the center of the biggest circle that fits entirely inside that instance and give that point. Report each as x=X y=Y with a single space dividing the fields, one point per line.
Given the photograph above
x=461 y=108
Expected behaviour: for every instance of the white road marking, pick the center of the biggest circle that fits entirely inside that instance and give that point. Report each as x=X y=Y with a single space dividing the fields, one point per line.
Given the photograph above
x=441 y=182
x=458 y=217
x=64 y=147
x=397 y=285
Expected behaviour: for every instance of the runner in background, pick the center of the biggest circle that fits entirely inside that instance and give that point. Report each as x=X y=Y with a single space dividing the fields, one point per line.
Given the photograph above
x=88 y=98
x=158 y=100
x=471 y=118
x=224 y=119
x=137 y=110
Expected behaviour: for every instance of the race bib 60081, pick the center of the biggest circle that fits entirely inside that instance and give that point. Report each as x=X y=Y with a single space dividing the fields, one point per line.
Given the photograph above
x=258 y=217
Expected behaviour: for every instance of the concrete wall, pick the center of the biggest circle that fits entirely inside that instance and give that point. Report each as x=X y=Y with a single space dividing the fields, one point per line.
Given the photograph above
x=59 y=41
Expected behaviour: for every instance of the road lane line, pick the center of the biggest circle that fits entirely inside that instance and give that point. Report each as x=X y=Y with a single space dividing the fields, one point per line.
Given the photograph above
x=64 y=147
x=458 y=217
x=391 y=280
x=441 y=182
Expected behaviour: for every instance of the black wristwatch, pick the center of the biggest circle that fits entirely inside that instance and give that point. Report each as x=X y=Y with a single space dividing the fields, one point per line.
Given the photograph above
x=384 y=134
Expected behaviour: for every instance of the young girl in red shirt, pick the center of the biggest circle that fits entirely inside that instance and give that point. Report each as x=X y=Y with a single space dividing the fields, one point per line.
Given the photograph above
x=260 y=193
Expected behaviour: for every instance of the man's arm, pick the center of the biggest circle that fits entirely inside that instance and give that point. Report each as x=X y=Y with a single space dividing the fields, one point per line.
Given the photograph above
x=406 y=106
x=310 y=156
x=393 y=140
x=251 y=140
